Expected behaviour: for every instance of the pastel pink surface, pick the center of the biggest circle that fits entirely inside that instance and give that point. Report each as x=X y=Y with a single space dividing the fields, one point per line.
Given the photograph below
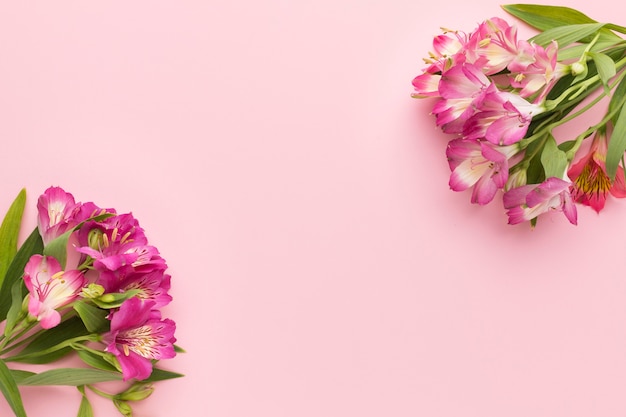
x=321 y=266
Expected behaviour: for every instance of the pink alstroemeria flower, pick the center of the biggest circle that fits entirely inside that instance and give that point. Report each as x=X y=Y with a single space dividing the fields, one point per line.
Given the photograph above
x=50 y=288
x=591 y=182
x=541 y=75
x=480 y=165
x=58 y=212
x=495 y=45
x=502 y=118
x=137 y=336
x=153 y=285
x=529 y=201
x=462 y=88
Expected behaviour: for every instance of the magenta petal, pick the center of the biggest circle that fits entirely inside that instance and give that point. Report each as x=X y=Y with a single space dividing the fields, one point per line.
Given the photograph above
x=134 y=366
x=132 y=312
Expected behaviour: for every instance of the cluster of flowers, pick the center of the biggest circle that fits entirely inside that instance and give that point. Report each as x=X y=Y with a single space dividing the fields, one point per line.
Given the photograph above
x=94 y=285
x=501 y=98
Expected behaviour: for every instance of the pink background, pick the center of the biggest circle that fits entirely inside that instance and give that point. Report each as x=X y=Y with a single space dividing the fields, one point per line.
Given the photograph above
x=321 y=266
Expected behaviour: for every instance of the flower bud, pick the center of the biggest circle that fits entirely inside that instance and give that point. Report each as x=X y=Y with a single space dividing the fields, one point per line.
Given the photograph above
x=136 y=392
x=123 y=408
x=578 y=68
x=516 y=179
x=92 y=291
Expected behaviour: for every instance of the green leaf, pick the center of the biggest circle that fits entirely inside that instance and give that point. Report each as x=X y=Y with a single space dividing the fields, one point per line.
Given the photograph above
x=96 y=361
x=604 y=41
x=547 y=17
x=85 y=409
x=9 y=232
x=605 y=66
x=94 y=318
x=67 y=329
x=71 y=377
x=58 y=248
x=31 y=246
x=553 y=159
x=19 y=375
x=617 y=99
x=617 y=144
x=9 y=389
x=566 y=35
x=15 y=309
x=162 y=375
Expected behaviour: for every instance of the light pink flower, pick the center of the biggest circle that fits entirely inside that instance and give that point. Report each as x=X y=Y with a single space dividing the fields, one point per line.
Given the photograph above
x=591 y=182
x=494 y=44
x=480 y=165
x=529 y=201
x=462 y=88
x=50 y=288
x=502 y=118
x=426 y=85
x=541 y=75
x=138 y=336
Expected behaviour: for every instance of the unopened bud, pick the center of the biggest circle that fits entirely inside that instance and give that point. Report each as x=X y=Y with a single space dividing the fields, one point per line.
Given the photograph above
x=123 y=408
x=92 y=291
x=578 y=68
x=136 y=393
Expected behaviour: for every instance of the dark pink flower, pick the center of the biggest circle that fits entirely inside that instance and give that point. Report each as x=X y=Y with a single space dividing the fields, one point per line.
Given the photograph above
x=153 y=285
x=118 y=243
x=138 y=336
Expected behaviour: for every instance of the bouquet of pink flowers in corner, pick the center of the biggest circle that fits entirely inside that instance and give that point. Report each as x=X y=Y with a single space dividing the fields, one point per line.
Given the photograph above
x=501 y=98
x=85 y=282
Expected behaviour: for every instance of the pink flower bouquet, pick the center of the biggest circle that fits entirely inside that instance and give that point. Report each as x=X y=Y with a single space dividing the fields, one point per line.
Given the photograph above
x=501 y=99
x=85 y=282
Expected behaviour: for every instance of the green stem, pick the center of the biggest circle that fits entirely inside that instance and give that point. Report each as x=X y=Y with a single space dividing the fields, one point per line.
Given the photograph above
x=59 y=346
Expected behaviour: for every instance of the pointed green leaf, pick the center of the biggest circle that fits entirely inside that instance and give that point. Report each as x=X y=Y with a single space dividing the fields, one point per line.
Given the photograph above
x=605 y=66
x=617 y=100
x=58 y=248
x=94 y=318
x=553 y=159
x=31 y=246
x=547 y=17
x=20 y=375
x=162 y=375
x=72 y=377
x=9 y=389
x=96 y=361
x=9 y=232
x=85 y=409
x=617 y=144
x=566 y=35
x=574 y=52
x=15 y=309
